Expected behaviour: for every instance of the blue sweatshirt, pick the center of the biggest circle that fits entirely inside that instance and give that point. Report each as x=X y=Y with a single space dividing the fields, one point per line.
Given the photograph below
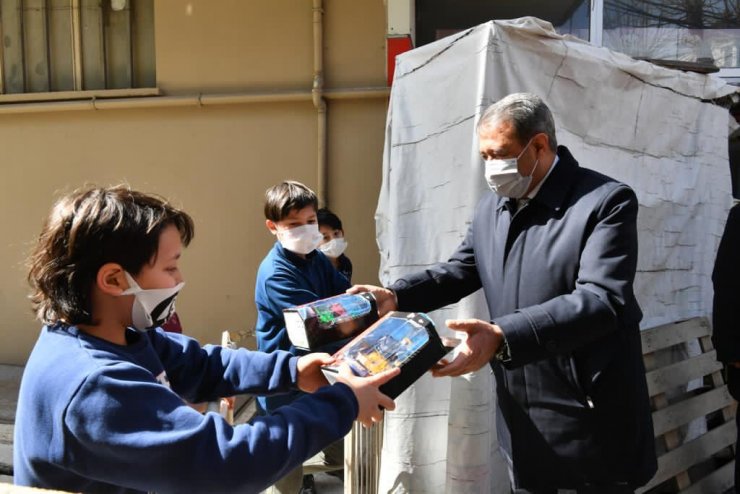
x=94 y=416
x=284 y=280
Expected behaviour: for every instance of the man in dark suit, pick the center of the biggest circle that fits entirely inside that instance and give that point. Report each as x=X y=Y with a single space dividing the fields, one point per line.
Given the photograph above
x=726 y=310
x=733 y=148
x=554 y=248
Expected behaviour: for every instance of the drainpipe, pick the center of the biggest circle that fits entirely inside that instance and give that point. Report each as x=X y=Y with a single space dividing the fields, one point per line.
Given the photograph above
x=317 y=93
x=149 y=98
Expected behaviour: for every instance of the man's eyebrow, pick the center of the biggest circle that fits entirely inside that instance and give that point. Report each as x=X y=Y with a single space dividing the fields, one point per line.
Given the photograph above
x=501 y=151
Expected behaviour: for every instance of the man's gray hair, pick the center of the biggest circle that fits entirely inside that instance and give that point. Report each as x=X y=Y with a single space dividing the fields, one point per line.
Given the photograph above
x=527 y=113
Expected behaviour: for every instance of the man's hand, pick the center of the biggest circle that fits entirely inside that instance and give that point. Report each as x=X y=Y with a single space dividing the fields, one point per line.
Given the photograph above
x=385 y=298
x=310 y=377
x=369 y=397
x=477 y=350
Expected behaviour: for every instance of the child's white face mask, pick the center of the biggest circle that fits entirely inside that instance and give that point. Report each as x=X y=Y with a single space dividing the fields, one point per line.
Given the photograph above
x=301 y=239
x=334 y=247
x=151 y=307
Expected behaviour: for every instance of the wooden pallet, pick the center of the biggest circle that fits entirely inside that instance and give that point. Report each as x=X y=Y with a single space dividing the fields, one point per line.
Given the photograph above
x=705 y=463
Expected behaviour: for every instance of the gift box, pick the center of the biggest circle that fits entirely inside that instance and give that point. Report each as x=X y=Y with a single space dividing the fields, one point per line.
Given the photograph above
x=328 y=320
x=407 y=340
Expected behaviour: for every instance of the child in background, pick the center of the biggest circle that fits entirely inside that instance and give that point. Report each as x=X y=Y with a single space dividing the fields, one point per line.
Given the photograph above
x=333 y=244
x=293 y=273
x=99 y=408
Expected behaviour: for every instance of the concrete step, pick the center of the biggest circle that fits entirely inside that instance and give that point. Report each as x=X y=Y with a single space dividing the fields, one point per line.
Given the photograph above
x=7 y=487
x=10 y=380
x=6 y=459
x=328 y=484
x=6 y=449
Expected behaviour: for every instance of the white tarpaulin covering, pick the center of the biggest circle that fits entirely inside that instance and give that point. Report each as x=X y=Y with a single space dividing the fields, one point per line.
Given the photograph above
x=653 y=128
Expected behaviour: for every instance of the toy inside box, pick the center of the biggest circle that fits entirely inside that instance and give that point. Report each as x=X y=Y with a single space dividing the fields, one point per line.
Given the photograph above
x=407 y=340
x=313 y=325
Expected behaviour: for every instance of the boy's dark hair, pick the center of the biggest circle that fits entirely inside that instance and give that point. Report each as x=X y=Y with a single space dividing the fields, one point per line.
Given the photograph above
x=87 y=229
x=282 y=198
x=328 y=218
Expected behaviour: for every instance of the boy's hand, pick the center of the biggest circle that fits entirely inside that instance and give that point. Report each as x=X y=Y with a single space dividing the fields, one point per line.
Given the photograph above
x=369 y=397
x=385 y=298
x=310 y=377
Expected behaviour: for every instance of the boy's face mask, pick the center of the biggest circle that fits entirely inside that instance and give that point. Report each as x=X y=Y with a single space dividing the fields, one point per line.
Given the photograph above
x=301 y=239
x=152 y=307
x=334 y=247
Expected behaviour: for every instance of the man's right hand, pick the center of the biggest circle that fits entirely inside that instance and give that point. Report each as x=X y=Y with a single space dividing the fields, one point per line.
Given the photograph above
x=478 y=349
x=369 y=398
x=385 y=298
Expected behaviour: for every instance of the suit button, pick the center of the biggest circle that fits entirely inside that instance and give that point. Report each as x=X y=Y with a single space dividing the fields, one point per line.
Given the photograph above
x=551 y=346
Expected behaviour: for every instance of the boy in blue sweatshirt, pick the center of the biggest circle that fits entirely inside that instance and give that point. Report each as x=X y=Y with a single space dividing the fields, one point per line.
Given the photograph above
x=101 y=404
x=293 y=273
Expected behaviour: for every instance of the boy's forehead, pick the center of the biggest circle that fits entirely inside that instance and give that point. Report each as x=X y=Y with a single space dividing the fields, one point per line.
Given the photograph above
x=170 y=242
x=323 y=227
x=296 y=214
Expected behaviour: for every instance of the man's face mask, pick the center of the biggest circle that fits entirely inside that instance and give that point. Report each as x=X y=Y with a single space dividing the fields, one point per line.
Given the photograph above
x=151 y=307
x=503 y=177
x=301 y=239
x=334 y=247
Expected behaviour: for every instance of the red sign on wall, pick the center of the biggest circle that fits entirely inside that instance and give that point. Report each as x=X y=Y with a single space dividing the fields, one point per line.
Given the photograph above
x=395 y=45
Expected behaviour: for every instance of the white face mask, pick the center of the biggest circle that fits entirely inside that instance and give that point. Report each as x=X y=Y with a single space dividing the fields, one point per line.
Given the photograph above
x=503 y=176
x=151 y=307
x=301 y=239
x=334 y=247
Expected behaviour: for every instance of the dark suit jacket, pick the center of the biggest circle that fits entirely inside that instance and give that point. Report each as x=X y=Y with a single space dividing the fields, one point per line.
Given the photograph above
x=573 y=408
x=726 y=310
x=733 y=150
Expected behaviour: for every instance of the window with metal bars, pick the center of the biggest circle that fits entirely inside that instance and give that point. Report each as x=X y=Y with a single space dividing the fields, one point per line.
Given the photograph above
x=76 y=45
x=703 y=31
x=439 y=18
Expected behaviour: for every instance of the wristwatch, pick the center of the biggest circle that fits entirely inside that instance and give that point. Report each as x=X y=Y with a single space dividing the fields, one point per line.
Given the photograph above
x=503 y=354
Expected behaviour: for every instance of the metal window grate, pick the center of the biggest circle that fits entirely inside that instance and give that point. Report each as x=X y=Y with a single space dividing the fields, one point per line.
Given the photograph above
x=75 y=45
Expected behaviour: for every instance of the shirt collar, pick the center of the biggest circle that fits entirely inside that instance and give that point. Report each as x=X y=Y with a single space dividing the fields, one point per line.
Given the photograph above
x=537 y=188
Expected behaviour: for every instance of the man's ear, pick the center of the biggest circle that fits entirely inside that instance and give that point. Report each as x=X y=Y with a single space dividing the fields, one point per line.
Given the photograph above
x=111 y=279
x=271 y=226
x=542 y=142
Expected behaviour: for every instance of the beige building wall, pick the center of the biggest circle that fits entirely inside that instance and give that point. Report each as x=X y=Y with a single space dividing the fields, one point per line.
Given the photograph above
x=214 y=161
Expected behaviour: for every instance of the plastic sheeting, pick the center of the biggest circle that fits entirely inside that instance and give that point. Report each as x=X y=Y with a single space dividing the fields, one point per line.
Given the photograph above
x=653 y=128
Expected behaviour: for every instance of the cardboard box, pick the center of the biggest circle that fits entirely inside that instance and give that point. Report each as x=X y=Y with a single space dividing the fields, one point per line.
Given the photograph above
x=407 y=340
x=328 y=320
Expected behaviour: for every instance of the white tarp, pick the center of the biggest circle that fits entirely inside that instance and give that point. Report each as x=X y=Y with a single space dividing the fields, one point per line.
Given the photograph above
x=650 y=127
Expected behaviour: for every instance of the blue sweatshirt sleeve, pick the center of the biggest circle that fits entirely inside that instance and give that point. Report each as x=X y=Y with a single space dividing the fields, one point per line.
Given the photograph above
x=124 y=428
x=206 y=373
